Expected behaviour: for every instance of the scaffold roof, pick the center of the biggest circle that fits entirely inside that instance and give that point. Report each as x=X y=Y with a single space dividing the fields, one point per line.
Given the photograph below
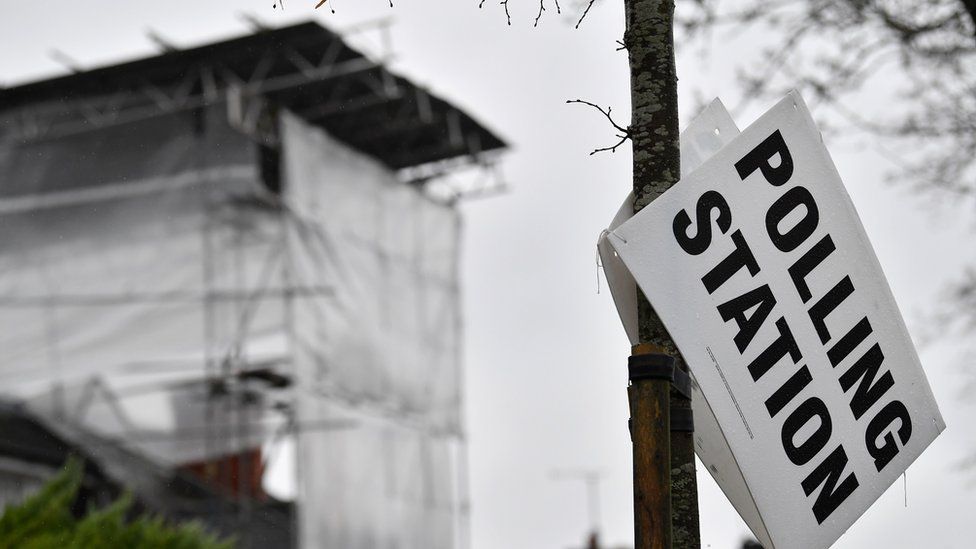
x=305 y=68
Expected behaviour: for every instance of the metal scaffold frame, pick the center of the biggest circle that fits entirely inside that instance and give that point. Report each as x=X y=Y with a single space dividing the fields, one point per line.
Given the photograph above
x=401 y=136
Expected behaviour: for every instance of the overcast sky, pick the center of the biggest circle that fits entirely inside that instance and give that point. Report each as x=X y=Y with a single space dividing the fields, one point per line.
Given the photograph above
x=546 y=356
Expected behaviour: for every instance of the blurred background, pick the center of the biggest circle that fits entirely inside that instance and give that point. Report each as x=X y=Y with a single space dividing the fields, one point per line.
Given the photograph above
x=388 y=295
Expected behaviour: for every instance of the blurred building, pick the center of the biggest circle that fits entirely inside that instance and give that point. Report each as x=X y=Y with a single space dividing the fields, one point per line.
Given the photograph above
x=249 y=249
x=31 y=452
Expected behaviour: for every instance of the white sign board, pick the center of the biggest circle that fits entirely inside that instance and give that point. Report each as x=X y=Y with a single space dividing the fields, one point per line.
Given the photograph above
x=760 y=269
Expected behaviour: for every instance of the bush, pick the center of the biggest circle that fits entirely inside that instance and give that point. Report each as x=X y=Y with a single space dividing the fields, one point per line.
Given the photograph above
x=45 y=521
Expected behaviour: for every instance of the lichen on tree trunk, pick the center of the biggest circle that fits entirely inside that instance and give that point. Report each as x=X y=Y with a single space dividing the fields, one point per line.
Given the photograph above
x=649 y=39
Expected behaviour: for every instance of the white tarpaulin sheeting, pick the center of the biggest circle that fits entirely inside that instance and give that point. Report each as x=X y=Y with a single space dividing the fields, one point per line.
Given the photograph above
x=381 y=351
x=124 y=277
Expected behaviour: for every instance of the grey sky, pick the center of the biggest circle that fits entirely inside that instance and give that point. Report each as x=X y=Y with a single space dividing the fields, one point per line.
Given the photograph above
x=545 y=353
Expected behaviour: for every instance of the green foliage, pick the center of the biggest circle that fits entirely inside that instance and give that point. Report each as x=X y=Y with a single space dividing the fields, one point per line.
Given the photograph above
x=44 y=521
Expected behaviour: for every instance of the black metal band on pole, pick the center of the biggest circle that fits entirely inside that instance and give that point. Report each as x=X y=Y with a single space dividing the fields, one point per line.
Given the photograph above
x=651 y=366
x=664 y=367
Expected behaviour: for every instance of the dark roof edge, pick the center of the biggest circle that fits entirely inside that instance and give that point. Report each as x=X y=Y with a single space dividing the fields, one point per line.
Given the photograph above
x=395 y=120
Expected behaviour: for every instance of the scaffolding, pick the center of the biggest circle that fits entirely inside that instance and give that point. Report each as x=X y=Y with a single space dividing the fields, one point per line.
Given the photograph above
x=217 y=251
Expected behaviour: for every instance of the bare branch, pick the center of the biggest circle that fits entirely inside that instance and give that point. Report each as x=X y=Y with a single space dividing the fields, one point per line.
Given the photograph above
x=586 y=11
x=542 y=8
x=481 y=4
x=624 y=134
x=322 y=2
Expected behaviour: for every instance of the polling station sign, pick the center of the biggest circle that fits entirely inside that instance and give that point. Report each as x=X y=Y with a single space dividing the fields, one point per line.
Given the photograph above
x=762 y=272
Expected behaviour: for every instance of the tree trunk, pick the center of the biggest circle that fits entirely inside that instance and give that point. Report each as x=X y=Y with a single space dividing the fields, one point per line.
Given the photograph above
x=970 y=6
x=649 y=39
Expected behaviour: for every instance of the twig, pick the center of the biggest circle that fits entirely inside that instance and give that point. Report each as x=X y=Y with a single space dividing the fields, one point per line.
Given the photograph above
x=321 y=2
x=624 y=134
x=507 y=15
x=586 y=11
x=542 y=8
